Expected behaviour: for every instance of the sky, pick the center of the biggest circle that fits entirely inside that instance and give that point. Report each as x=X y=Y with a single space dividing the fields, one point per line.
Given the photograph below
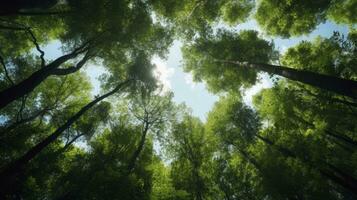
x=170 y=73
x=196 y=95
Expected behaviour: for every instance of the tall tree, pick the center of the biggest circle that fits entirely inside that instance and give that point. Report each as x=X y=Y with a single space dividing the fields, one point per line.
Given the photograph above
x=106 y=35
x=239 y=126
x=98 y=173
x=153 y=112
x=199 y=17
x=291 y=18
x=191 y=150
x=229 y=60
x=12 y=170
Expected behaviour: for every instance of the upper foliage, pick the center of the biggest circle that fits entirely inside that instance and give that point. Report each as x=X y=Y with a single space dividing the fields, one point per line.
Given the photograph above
x=297 y=141
x=296 y=17
x=206 y=59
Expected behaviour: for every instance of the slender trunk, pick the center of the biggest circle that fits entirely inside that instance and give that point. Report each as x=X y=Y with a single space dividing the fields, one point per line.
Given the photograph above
x=32 y=13
x=337 y=136
x=345 y=179
x=327 y=100
x=70 y=143
x=199 y=184
x=344 y=147
x=330 y=172
x=246 y=156
x=26 y=86
x=226 y=195
x=136 y=154
x=9 y=174
x=343 y=138
x=332 y=99
x=249 y=159
x=284 y=151
x=338 y=85
x=14 y=7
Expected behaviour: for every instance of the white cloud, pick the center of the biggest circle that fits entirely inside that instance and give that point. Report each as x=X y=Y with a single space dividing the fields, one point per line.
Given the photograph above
x=163 y=73
x=189 y=81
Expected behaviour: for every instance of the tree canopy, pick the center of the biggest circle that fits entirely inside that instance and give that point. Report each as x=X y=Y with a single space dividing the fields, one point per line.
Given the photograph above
x=63 y=136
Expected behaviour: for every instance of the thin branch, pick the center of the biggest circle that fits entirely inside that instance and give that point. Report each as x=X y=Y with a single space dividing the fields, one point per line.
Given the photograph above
x=5 y=70
x=70 y=142
x=34 y=41
x=194 y=8
x=23 y=104
x=22 y=27
x=25 y=120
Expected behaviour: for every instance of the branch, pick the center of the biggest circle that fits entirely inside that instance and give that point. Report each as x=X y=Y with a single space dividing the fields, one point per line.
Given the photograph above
x=25 y=120
x=43 y=13
x=70 y=142
x=5 y=70
x=27 y=29
x=69 y=70
x=11 y=28
x=54 y=65
x=194 y=8
x=23 y=104
x=34 y=41
x=133 y=112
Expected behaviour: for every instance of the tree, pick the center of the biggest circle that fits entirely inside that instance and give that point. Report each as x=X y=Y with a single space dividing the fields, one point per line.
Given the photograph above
x=229 y=60
x=8 y=175
x=292 y=18
x=100 y=172
x=131 y=141
x=107 y=35
x=191 y=150
x=239 y=126
x=153 y=112
x=192 y=18
x=13 y=169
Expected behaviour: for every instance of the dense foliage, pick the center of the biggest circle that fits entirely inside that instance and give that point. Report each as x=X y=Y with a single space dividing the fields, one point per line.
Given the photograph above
x=59 y=140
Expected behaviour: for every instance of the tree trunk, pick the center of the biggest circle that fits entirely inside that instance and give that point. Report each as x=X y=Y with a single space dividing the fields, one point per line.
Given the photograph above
x=9 y=175
x=330 y=172
x=250 y=159
x=337 y=136
x=329 y=98
x=343 y=138
x=136 y=154
x=13 y=7
x=338 y=85
x=26 y=86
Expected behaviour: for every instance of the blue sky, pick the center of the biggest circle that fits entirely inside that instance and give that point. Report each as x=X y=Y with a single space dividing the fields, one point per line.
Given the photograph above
x=195 y=95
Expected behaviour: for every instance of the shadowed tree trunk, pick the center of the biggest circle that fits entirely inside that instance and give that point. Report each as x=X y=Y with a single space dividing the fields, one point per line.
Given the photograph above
x=26 y=86
x=332 y=134
x=338 y=85
x=330 y=172
x=14 y=7
x=9 y=175
x=136 y=154
x=328 y=98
